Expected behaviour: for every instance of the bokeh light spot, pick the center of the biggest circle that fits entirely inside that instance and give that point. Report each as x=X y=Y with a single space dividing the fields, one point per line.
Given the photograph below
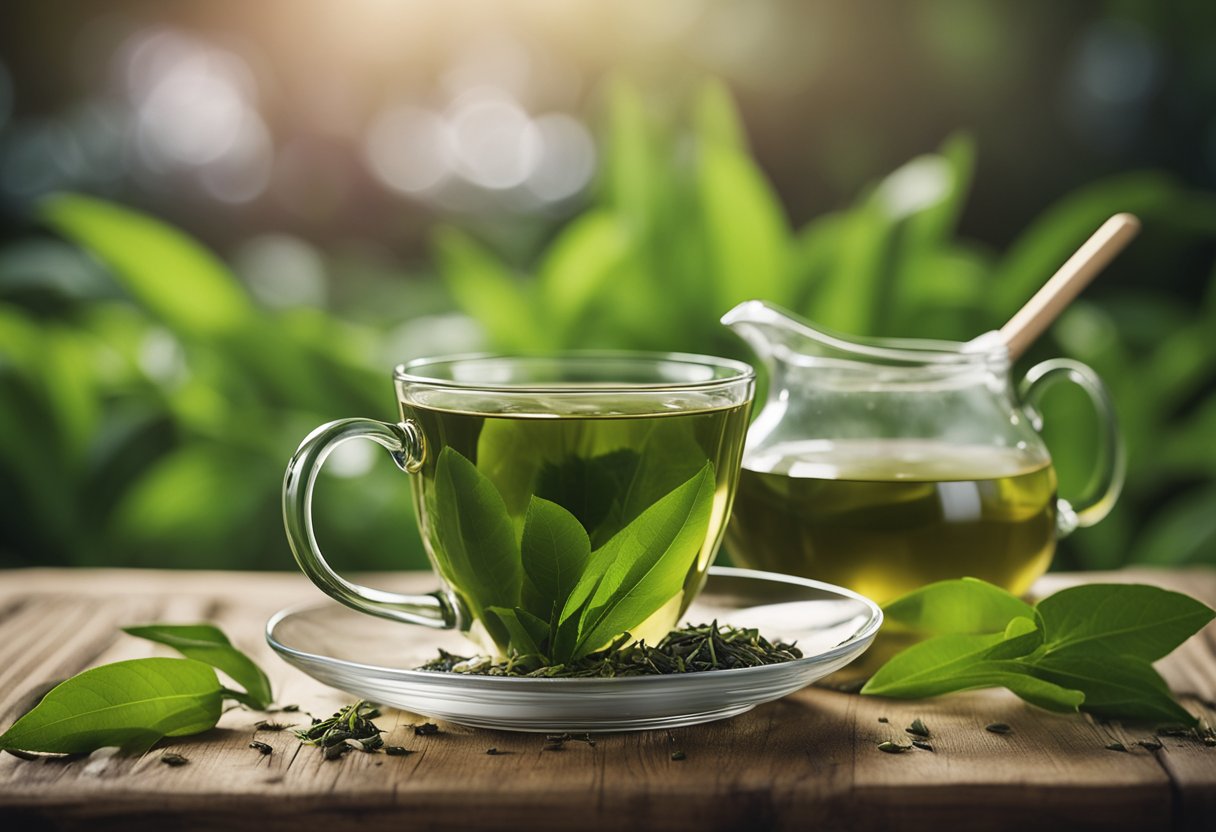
x=409 y=149
x=283 y=271
x=497 y=146
x=567 y=159
x=915 y=186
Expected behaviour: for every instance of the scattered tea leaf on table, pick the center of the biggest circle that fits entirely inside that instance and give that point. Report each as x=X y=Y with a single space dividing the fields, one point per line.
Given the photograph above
x=208 y=644
x=130 y=704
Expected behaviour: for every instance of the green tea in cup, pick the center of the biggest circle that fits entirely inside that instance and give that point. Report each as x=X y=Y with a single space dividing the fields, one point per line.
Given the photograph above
x=562 y=501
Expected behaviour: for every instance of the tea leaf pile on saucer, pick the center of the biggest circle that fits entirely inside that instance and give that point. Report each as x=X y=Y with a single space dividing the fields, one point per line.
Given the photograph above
x=1087 y=648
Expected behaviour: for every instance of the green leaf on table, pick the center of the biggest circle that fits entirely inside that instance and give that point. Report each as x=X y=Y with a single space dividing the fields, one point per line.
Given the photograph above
x=208 y=644
x=554 y=550
x=1117 y=687
x=1090 y=647
x=476 y=545
x=1121 y=619
x=932 y=666
x=130 y=704
x=966 y=605
x=643 y=566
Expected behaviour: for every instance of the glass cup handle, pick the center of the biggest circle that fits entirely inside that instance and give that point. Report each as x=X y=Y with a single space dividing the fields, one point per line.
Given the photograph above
x=404 y=443
x=1107 y=480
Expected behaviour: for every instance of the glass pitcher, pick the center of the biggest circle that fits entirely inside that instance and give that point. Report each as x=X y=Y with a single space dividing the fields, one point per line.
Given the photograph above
x=884 y=465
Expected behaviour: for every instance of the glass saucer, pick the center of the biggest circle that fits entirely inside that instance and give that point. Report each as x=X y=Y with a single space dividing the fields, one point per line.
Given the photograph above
x=372 y=658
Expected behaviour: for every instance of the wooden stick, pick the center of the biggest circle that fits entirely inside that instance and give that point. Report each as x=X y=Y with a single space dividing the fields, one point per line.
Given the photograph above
x=1092 y=257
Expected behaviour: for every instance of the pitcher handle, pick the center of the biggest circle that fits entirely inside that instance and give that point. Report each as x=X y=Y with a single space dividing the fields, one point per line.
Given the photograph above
x=404 y=443
x=1106 y=482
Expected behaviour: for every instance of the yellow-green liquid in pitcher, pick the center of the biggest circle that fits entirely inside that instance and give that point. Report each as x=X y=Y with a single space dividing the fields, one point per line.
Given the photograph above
x=885 y=516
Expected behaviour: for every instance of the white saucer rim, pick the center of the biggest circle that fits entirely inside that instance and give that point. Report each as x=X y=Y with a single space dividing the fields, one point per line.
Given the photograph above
x=858 y=641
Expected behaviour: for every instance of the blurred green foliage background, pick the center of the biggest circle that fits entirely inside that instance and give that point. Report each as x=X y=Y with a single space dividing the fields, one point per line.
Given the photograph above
x=167 y=339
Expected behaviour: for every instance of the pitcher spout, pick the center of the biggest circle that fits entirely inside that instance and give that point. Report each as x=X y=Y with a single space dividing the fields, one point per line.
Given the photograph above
x=776 y=335
x=779 y=337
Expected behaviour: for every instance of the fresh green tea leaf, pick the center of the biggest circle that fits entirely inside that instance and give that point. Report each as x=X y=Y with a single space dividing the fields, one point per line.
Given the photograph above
x=130 y=704
x=652 y=556
x=579 y=265
x=670 y=455
x=476 y=539
x=178 y=280
x=1090 y=646
x=554 y=550
x=528 y=633
x=851 y=294
x=929 y=668
x=1022 y=637
x=590 y=488
x=485 y=287
x=717 y=117
x=933 y=225
x=746 y=227
x=963 y=661
x=1010 y=675
x=567 y=633
x=967 y=605
x=632 y=178
x=1118 y=687
x=208 y=644
x=1119 y=619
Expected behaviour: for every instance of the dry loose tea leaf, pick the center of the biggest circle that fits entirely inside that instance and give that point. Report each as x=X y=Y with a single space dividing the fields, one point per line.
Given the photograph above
x=173 y=760
x=893 y=747
x=917 y=729
x=922 y=745
x=354 y=722
x=998 y=728
x=1116 y=746
x=261 y=746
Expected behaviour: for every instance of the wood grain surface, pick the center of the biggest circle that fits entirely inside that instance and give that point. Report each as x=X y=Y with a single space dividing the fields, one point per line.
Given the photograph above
x=807 y=761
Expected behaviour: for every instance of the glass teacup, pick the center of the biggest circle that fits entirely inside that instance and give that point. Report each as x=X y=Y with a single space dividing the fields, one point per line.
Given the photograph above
x=562 y=500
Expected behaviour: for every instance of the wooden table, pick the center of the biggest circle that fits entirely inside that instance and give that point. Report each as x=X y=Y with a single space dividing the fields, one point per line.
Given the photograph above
x=807 y=761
